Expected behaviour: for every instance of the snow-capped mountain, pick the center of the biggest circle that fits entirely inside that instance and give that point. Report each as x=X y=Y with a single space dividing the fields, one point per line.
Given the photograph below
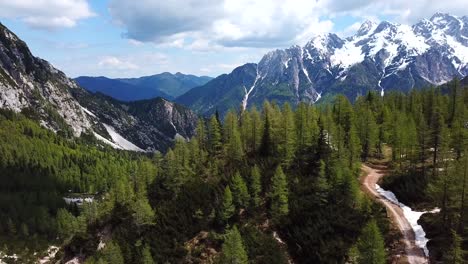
x=34 y=87
x=383 y=56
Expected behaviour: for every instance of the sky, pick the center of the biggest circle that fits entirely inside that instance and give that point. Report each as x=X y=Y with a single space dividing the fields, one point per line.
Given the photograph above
x=132 y=38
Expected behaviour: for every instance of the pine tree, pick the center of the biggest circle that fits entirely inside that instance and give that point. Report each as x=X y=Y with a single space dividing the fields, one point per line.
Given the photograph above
x=240 y=191
x=371 y=245
x=279 y=195
x=255 y=186
x=228 y=208
x=233 y=251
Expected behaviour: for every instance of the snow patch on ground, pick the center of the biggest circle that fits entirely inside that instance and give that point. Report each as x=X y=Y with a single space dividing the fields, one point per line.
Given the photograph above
x=87 y=111
x=74 y=260
x=411 y=216
x=3 y=256
x=105 y=140
x=121 y=141
x=51 y=252
x=78 y=200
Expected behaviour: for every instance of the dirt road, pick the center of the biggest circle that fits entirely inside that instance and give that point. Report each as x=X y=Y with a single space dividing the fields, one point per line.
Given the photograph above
x=414 y=254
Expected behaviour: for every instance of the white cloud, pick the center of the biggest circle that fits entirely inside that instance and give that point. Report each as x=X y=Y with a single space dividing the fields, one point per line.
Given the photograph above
x=111 y=62
x=46 y=14
x=403 y=11
x=208 y=24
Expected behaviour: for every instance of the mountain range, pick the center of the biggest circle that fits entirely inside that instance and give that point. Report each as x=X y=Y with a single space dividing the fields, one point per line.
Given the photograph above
x=166 y=85
x=34 y=87
x=379 y=57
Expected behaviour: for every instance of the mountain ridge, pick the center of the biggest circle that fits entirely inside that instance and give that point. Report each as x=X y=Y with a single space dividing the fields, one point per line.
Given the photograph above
x=34 y=87
x=379 y=57
x=165 y=84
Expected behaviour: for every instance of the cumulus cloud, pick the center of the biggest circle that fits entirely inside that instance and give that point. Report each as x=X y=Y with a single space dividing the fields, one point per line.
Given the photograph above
x=403 y=11
x=207 y=24
x=111 y=62
x=204 y=24
x=46 y=14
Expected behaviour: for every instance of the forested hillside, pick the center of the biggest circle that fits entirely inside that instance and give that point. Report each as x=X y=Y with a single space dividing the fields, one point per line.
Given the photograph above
x=261 y=186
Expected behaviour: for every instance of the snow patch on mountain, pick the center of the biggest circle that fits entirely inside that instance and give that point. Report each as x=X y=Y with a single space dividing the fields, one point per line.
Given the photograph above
x=347 y=56
x=121 y=141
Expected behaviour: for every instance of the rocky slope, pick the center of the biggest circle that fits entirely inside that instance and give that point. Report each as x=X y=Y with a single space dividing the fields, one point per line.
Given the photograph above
x=384 y=56
x=150 y=125
x=33 y=86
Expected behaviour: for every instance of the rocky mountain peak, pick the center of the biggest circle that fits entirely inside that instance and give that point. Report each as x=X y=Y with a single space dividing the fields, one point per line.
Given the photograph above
x=366 y=27
x=379 y=57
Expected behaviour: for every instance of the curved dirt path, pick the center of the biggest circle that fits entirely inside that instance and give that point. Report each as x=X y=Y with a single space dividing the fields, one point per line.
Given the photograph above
x=414 y=254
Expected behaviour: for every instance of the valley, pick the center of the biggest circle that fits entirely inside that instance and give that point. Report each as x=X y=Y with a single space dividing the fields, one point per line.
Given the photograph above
x=342 y=150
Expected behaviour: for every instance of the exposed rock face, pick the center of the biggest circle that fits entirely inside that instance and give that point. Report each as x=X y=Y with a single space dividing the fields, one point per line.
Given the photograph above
x=378 y=57
x=27 y=82
x=33 y=86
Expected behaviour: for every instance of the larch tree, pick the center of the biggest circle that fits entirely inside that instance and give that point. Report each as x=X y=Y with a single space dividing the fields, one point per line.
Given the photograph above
x=239 y=191
x=288 y=135
x=255 y=186
x=279 y=195
x=371 y=245
x=233 y=251
x=215 y=136
x=227 y=207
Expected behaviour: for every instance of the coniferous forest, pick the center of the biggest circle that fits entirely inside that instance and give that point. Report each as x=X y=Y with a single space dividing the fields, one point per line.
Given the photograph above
x=268 y=185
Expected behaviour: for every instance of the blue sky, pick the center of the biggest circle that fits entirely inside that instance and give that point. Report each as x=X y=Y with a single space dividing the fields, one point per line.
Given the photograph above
x=121 y=38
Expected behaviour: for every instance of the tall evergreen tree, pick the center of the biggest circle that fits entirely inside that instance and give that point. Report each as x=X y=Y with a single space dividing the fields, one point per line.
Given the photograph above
x=455 y=253
x=215 y=136
x=240 y=191
x=227 y=207
x=255 y=186
x=233 y=251
x=279 y=195
x=146 y=257
x=288 y=137
x=371 y=245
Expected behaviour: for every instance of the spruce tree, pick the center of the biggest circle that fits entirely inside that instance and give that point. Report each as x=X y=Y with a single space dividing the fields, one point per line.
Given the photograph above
x=233 y=251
